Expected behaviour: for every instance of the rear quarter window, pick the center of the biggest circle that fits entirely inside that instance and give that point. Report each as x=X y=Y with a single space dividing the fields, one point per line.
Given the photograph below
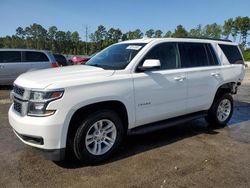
x=10 y=56
x=35 y=57
x=232 y=53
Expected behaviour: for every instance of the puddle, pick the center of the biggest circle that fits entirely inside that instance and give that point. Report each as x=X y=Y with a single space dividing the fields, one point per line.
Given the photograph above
x=239 y=125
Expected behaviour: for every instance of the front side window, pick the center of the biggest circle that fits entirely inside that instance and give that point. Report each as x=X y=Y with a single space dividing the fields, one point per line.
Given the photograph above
x=10 y=56
x=193 y=55
x=116 y=57
x=166 y=53
x=232 y=53
x=35 y=57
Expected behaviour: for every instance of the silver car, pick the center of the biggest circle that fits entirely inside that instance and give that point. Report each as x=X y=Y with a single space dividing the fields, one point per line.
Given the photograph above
x=14 y=62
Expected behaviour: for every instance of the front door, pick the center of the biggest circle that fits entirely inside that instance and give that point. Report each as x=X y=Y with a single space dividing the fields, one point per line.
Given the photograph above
x=160 y=93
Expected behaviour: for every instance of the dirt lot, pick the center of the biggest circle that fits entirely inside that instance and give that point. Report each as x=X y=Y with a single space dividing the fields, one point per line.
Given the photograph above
x=188 y=155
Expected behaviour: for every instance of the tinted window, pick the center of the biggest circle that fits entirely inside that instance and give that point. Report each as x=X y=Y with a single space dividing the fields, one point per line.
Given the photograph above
x=35 y=57
x=211 y=55
x=193 y=55
x=61 y=60
x=10 y=56
x=232 y=53
x=166 y=53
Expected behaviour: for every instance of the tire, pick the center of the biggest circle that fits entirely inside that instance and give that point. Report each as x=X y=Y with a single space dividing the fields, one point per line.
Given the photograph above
x=91 y=144
x=218 y=116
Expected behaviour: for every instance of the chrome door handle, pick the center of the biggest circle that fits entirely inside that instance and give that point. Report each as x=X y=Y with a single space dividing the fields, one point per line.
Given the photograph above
x=215 y=74
x=179 y=78
x=1 y=66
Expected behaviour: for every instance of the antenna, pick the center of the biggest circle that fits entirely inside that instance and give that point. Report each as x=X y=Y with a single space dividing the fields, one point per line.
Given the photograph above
x=86 y=38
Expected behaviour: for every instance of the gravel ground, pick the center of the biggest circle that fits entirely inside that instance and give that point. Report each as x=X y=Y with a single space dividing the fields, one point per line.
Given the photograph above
x=188 y=155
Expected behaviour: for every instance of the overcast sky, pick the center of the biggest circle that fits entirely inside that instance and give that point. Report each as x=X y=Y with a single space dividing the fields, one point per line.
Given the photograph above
x=127 y=14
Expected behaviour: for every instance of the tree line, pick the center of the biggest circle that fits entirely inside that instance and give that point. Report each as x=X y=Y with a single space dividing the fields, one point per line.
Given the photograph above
x=67 y=42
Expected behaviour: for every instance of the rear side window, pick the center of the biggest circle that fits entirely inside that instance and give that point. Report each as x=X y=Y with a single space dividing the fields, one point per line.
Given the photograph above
x=232 y=53
x=193 y=55
x=35 y=57
x=166 y=53
x=10 y=56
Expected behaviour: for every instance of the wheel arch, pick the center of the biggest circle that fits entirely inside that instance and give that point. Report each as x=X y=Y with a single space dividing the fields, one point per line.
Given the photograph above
x=84 y=111
x=230 y=87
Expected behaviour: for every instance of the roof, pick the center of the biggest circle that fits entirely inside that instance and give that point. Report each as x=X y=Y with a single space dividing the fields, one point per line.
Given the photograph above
x=203 y=40
x=22 y=49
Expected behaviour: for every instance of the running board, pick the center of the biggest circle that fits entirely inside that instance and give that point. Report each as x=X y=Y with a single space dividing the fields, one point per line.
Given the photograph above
x=151 y=127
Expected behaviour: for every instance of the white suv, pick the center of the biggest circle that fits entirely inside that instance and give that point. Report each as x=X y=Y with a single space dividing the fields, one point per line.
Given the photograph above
x=130 y=87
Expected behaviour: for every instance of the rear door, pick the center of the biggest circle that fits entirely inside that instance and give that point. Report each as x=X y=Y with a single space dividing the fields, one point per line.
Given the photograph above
x=36 y=60
x=203 y=74
x=10 y=66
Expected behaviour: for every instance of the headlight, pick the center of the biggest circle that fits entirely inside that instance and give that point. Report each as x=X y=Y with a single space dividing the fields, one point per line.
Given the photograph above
x=39 y=101
x=45 y=96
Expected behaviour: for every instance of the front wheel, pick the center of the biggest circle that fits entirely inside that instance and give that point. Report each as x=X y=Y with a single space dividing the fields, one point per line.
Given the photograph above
x=98 y=137
x=221 y=111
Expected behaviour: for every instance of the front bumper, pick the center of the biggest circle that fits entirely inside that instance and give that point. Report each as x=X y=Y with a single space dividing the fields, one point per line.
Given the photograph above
x=49 y=154
x=40 y=132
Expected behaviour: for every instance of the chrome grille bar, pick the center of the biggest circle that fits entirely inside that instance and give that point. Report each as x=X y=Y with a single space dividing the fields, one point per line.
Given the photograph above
x=20 y=98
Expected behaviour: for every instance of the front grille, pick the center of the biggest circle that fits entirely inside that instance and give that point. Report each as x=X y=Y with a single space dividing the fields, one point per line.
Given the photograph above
x=20 y=97
x=18 y=107
x=18 y=90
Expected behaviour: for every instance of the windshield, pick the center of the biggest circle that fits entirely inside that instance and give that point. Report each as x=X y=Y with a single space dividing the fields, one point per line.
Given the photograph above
x=116 y=57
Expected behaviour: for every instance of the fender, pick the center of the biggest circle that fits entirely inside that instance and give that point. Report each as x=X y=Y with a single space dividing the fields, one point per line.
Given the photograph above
x=75 y=108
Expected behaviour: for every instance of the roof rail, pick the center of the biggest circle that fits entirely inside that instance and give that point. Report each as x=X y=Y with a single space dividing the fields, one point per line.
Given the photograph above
x=226 y=40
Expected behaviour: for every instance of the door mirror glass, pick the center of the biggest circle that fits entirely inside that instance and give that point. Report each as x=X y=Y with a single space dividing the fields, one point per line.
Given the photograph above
x=150 y=64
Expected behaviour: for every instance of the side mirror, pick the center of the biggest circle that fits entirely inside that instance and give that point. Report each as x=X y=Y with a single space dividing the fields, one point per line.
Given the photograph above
x=150 y=64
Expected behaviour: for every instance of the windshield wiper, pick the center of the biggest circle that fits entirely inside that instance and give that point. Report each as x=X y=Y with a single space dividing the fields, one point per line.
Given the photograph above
x=105 y=67
x=95 y=65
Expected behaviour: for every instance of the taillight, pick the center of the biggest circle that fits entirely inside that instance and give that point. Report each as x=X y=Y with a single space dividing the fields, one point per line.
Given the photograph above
x=54 y=64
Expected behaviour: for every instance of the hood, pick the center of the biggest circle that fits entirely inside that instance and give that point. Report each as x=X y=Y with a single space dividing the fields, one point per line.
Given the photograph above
x=70 y=74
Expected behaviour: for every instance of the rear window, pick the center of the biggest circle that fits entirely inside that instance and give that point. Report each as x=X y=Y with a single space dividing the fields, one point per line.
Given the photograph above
x=61 y=60
x=10 y=56
x=232 y=53
x=35 y=57
x=193 y=55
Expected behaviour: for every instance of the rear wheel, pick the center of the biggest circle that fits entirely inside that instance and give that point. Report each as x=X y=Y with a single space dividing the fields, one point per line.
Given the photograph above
x=98 y=137
x=221 y=111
